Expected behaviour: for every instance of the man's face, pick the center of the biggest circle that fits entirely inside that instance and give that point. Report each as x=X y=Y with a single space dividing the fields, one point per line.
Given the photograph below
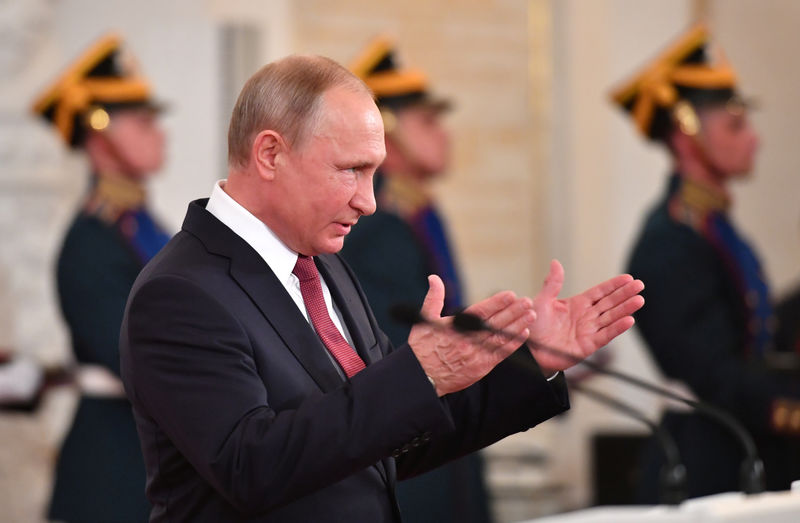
x=137 y=140
x=324 y=184
x=729 y=140
x=424 y=139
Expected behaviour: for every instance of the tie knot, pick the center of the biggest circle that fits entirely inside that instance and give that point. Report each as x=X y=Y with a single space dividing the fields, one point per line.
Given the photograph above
x=305 y=269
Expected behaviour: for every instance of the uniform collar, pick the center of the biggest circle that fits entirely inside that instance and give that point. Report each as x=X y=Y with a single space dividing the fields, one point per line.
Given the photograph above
x=112 y=195
x=692 y=202
x=403 y=195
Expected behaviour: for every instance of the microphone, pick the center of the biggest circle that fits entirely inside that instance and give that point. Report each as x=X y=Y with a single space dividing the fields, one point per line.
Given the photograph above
x=406 y=314
x=751 y=472
x=672 y=477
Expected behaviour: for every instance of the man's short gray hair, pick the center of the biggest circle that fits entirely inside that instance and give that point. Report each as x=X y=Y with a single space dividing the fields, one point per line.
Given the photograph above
x=284 y=96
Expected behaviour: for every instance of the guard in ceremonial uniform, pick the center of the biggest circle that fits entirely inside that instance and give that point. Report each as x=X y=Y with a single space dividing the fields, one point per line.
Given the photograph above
x=393 y=251
x=102 y=106
x=708 y=319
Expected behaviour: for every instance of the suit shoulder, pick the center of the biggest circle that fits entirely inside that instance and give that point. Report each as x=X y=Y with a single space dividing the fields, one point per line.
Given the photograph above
x=183 y=256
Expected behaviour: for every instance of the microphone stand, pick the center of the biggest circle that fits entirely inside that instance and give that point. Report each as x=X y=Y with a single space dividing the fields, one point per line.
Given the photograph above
x=672 y=478
x=751 y=472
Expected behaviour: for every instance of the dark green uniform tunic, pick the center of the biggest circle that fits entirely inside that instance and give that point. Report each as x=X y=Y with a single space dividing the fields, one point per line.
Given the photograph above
x=707 y=323
x=100 y=472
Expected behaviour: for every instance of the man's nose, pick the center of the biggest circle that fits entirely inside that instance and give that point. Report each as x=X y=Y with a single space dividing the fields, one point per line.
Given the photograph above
x=364 y=198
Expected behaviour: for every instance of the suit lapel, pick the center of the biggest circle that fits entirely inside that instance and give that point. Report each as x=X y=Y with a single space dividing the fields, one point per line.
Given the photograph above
x=258 y=281
x=351 y=307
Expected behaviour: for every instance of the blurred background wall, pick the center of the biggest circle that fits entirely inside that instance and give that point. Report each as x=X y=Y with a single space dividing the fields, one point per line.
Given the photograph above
x=543 y=166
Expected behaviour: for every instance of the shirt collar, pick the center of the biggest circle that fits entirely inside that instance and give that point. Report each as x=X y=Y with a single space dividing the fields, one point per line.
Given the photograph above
x=280 y=258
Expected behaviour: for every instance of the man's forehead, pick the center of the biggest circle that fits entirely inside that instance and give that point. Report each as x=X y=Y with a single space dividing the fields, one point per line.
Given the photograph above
x=348 y=109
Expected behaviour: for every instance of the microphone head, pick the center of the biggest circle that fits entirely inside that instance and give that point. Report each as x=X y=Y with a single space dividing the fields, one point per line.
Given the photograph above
x=672 y=484
x=751 y=475
x=405 y=314
x=468 y=322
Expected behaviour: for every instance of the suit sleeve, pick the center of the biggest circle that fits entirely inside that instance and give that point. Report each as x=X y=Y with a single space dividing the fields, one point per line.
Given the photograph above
x=512 y=398
x=188 y=365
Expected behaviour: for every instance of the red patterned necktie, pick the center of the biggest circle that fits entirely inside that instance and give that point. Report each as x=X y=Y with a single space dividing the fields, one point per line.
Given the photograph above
x=310 y=287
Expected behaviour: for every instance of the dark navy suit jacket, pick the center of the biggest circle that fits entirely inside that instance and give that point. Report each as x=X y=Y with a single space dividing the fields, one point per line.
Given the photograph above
x=242 y=416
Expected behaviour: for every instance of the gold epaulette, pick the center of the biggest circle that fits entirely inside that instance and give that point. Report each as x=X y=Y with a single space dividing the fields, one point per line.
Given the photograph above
x=694 y=201
x=113 y=196
x=403 y=196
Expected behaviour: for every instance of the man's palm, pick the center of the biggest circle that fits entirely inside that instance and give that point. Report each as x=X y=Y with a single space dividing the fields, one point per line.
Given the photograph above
x=583 y=323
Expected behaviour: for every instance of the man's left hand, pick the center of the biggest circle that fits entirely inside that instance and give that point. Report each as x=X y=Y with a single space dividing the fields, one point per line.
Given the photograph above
x=583 y=323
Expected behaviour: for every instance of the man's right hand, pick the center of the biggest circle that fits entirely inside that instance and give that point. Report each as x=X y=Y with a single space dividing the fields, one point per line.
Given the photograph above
x=455 y=361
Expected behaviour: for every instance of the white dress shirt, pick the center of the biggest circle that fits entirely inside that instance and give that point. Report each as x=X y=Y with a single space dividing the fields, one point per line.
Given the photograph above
x=280 y=258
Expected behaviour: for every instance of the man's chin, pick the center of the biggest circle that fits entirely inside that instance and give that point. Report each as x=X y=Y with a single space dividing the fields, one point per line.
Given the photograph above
x=332 y=246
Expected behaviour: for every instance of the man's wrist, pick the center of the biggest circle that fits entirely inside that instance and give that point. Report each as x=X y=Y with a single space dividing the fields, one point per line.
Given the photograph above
x=433 y=384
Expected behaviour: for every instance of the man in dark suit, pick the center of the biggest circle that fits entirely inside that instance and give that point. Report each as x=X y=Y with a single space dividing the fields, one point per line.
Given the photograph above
x=263 y=392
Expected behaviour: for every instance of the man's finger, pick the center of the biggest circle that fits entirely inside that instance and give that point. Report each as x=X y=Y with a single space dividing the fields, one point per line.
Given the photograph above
x=553 y=281
x=504 y=319
x=520 y=309
x=626 y=308
x=604 y=336
x=510 y=325
x=600 y=291
x=620 y=295
x=492 y=305
x=434 y=300
x=515 y=333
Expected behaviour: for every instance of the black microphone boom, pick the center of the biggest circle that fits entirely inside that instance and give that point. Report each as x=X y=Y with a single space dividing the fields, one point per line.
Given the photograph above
x=672 y=480
x=752 y=468
x=406 y=314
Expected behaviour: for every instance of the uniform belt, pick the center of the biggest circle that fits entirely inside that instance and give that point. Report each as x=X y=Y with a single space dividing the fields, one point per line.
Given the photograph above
x=97 y=381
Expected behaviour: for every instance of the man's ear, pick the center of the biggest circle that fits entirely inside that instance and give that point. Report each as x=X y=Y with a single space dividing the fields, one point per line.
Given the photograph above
x=96 y=144
x=683 y=144
x=397 y=152
x=392 y=154
x=267 y=145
